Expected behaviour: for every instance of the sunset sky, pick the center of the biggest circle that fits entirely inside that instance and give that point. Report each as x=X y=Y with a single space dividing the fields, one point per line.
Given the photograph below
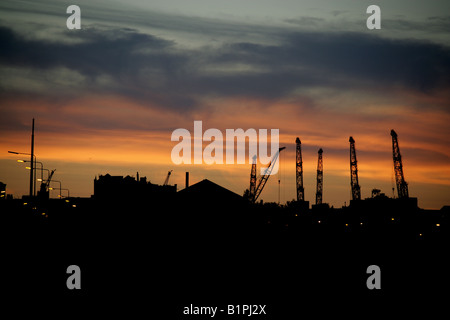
x=107 y=98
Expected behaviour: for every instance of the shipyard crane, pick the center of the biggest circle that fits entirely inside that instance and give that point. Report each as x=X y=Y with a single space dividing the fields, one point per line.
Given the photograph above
x=166 y=182
x=356 y=190
x=319 y=189
x=253 y=179
x=402 y=186
x=43 y=192
x=263 y=179
x=299 y=171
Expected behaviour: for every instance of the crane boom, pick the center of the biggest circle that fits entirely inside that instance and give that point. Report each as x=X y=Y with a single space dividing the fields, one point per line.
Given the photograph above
x=319 y=189
x=263 y=179
x=299 y=171
x=166 y=182
x=43 y=192
x=402 y=186
x=356 y=190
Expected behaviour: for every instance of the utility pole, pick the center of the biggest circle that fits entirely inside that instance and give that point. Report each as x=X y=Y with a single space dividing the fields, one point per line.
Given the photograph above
x=32 y=160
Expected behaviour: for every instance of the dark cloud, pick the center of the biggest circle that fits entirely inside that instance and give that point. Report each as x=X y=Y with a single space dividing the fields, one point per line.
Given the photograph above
x=111 y=52
x=149 y=67
x=306 y=21
x=432 y=25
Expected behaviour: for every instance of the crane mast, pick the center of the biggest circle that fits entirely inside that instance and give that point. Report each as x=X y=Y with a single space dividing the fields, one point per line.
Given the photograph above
x=319 y=189
x=356 y=190
x=253 y=179
x=402 y=186
x=299 y=170
x=263 y=179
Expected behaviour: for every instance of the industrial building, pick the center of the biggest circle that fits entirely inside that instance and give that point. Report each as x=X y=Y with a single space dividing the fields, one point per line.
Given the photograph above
x=119 y=188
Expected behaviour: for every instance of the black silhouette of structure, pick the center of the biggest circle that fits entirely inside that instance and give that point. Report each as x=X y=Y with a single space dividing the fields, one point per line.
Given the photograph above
x=263 y=179
x=44 y=193
x=208 y=191
x=166 y=182
x=253 y=179
x=187 y=180
x=299 y=170
x=32 y=165
x=319 y=189
x=356 y=190
x=402 y=186
x=119 y=188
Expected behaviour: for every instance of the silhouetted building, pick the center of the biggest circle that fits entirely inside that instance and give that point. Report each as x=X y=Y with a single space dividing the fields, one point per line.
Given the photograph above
x=121 y=188
x=207 y=191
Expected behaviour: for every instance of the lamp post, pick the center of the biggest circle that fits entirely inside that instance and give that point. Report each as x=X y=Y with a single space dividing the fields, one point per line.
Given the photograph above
x=68 y=192
x=59 y=186
x=42 y=169
x=32 y=164
x=31 y=160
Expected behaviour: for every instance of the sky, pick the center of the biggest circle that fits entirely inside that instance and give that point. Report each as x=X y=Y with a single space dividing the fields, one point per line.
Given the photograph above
x=106 y=98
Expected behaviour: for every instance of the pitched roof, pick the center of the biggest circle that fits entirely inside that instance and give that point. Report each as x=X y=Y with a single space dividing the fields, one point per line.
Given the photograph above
x=210 y=191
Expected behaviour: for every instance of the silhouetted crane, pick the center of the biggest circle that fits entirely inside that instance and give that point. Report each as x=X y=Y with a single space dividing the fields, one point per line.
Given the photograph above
x=43 y=192
x=356 y=190
x=263 y=179
x=252 y=189
x=402 y=186
x=166 y=182
x=319 y=189
x=299 y=170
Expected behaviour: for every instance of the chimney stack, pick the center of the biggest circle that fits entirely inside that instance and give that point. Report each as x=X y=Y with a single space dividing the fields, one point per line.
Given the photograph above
x=187 y=179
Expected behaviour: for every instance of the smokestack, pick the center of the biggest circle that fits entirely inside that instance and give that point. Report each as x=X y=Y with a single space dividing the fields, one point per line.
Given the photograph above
x=187 y=179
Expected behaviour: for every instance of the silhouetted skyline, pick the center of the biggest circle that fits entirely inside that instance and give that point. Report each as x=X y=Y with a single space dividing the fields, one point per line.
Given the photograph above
x=315 y=73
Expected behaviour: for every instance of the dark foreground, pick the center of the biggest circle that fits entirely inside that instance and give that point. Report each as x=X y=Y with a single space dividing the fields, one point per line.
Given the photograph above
x=138 y=259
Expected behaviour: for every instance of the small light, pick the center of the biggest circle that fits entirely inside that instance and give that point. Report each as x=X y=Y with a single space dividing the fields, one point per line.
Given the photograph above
x=361 y=223
x=392 y=219
x=3 y=191
x=346 y=224
x=296 y=214
x=20 y=161
x=420 y=234
x=43 y=213
x=438 y=224
x=39 y=179
x=50 y=188
x=67 y=200
x=319 y=221
x=25 y=203
x=74 y=205
x=28 y=168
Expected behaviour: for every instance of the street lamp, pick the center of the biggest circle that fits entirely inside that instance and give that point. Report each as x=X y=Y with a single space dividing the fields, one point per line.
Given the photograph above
x=68 y=192
x=42 y=169
x=59 y=186
x=32 y=174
